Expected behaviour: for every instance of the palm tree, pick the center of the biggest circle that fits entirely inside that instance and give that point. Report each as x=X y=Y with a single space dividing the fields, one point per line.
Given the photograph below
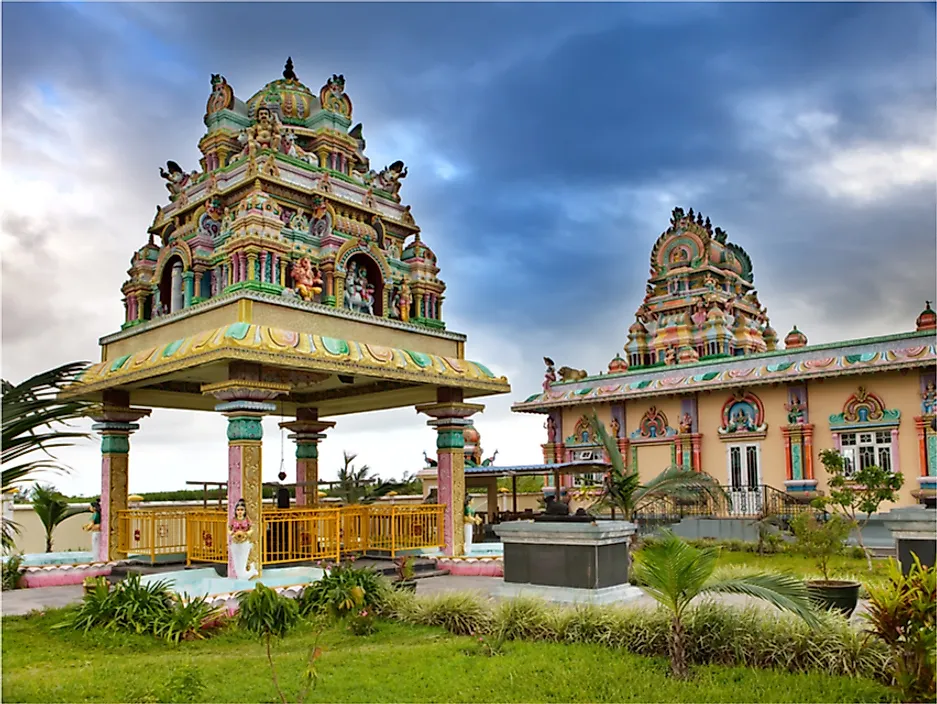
x=674 y=573
x=357 y=486
x=32 y=416
x=52 y=509
x=623 y=490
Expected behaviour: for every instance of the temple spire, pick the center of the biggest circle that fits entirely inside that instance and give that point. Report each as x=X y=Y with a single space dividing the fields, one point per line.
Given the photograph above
x=288 y=72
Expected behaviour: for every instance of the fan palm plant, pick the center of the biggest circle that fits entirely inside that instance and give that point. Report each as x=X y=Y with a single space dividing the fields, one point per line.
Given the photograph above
x=624 y=492
x=674 y=573
x=33 y=417
x=52 y=509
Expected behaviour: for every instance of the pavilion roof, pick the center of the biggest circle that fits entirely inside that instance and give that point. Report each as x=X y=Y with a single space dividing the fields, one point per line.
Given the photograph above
x=579 y=467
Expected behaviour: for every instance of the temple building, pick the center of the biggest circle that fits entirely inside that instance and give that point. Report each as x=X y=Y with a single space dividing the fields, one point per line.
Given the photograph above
x=283 y=276
x=703 y=383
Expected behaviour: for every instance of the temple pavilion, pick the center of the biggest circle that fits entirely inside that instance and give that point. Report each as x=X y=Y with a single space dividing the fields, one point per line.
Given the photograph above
x=703 y=383
x=283 y=275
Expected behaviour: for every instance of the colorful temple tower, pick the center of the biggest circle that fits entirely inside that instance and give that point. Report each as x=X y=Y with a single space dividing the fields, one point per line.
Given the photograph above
x=283 y=277
x=700 y=300
x=703 y=385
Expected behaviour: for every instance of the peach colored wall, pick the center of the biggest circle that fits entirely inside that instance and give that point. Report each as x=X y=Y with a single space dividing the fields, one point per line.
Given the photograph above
x=713 y=448
x=897 y=390
x=654 y=458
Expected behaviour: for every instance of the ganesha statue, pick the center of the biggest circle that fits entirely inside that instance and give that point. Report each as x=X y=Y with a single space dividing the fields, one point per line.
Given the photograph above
x=307 y=281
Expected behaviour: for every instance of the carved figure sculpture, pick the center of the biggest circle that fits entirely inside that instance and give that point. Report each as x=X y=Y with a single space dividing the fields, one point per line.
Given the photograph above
x=94 y=527
x=550 y=377
x=176 y=179
x=491 y=460
x=429 y=461
x=469 y=520
x=550 y=425
x=405 y=301
x=240 y=542
x=222 y=96
x=291 y=148
x=929 y=400
x=686 y=423
x=570 y=374
x=670 y=356
x=740 y=421
x=359 y=294
x=307 y=281
x=263 y=134
x=795 y=411
x=615 y=427
x=390 y=177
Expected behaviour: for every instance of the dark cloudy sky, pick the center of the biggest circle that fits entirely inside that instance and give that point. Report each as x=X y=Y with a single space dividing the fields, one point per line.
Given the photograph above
x=547 y=145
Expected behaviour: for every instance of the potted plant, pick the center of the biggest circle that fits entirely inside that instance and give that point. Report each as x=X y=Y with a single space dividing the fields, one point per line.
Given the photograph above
x=405 y=572
x=92 y=583
x=822 y=540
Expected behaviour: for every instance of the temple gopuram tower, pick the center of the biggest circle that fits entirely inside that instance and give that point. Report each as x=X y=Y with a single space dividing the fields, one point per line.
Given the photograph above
x=700 y=300
x=283 y=276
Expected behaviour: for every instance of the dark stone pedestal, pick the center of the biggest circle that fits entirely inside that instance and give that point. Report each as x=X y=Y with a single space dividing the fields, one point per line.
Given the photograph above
x=914 y=529
x=567 y=561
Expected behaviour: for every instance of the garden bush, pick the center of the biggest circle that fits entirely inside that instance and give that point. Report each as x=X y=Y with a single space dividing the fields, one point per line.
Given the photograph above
x=343 y=589
x=716 y=634
x=13 y=571
x=144 y=608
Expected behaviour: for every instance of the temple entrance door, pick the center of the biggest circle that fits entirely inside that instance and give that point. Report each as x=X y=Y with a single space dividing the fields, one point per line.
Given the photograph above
x=744 y=466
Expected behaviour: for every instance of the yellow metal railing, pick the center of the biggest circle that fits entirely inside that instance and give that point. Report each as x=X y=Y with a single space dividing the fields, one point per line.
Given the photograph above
x=152 y=532
x=301 y=535
x=288 y=535
x=206 y=536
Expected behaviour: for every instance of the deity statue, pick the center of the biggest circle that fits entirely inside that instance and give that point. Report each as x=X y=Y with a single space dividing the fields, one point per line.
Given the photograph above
x=359 y=294
x=94 y=527
x=709 y=282
x=389 y=178
x=405 y=300
x=699 y=313
x=469 y=520
x=795 y=411
x=550 y=377
x=670 y=357
x=264 y=133
x=307 y=281
x=550 y=425
x=176 y=179
x=615 y=427
x=686 y=423
x=929 y=399
x=240 y=535
x=291 y=148
x=222 y=96
x=740 y=421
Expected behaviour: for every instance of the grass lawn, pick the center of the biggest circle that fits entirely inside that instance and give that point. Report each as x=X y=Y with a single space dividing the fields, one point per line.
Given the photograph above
x=399 y=663
x=841 y=567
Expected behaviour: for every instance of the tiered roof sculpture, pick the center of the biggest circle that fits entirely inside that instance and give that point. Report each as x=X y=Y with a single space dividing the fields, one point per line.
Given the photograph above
x=700 y=300
x=284 y=199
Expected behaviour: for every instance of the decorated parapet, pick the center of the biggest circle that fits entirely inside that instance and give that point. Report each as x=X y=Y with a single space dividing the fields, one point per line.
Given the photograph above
x=285 y=202
x=700 y=300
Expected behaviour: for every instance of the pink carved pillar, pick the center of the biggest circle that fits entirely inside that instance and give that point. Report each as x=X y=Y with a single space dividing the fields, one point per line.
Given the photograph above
x=263 y=266
x=115 y=420
x=450 y=416
x=244 y=402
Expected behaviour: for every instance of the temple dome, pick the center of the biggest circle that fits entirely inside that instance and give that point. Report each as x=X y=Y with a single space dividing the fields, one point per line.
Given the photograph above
x=291 y=99
x=927 y=320
x=618 y=364
x=417 y=250
x=637 y=328
x=471 y=435
x=795 y=338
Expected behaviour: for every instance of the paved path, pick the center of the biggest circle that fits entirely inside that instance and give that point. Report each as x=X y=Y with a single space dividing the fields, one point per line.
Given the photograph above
x=22 y=601
x=19 y=602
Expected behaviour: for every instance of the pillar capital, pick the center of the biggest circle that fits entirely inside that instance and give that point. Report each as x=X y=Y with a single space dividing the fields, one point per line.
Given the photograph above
x=246 y=391
x=106 y=414
x=450 y=412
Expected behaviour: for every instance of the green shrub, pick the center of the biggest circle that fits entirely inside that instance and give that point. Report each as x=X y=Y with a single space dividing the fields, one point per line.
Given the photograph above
x=265 y=613
x=903 y=614
x=461 y=613
x=361 y=623
x=190 y=620
x=12 y=572
x=343 y=589
x=821 y=540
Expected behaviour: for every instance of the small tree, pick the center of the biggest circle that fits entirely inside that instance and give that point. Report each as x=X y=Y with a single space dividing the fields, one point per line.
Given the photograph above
x=863 y=492
x=52 y=509
x=821 y=540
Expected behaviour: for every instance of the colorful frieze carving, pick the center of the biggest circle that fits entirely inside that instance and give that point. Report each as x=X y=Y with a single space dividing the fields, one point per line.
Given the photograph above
x=865 y=409
x=653 y=426
x=928 y=399
x=905 y=353
x=743 y=414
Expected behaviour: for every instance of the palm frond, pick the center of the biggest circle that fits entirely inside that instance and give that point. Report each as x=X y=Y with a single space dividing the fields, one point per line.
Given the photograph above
x=784 y=591
x=610 y=444
x=679 y=483
x=674 y=572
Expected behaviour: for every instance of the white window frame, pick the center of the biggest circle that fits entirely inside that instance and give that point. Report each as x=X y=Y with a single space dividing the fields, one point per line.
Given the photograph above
x=852 y=444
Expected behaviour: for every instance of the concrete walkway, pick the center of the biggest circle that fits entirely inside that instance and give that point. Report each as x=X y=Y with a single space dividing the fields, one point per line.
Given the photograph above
x=21 y=601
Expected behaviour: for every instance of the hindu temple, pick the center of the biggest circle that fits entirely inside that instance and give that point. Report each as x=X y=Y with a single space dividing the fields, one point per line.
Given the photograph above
x=283 y=275
x=702 y=383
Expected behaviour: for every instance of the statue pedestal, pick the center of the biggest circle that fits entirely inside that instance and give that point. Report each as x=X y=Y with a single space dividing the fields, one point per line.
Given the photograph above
x=567 y=561
x=913 y=530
